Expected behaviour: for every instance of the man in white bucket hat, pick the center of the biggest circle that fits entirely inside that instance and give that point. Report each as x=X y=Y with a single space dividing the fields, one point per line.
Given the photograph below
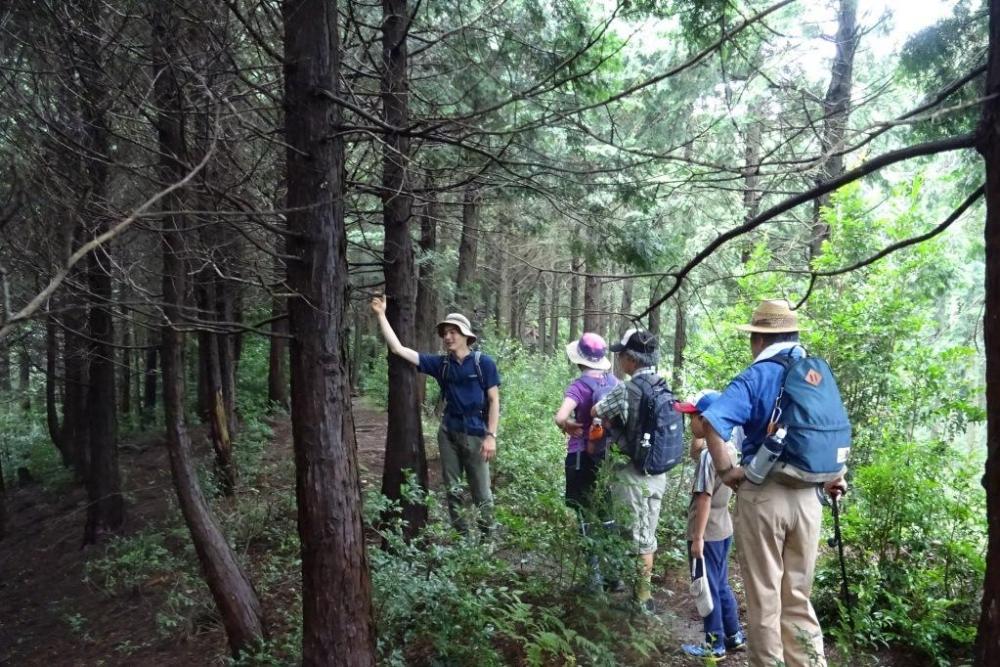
x=776 y=525
x=470 y=384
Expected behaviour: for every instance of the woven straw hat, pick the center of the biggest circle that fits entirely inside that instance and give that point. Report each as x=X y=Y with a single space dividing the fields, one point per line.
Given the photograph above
x=772 y=316
x=457 y=320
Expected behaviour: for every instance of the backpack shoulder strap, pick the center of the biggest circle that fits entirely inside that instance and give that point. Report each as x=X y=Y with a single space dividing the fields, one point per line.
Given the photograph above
x=445 y=367
x=479 y=369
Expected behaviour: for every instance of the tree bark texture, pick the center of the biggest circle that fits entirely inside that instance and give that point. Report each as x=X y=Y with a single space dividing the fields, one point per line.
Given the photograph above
x=404 y=443
x=427 y=296
x=235 y=598
x=751 y=184
x=622 y=321
x=654 y=314
x=554 y=341
x=105 y=506
x=210 y=370
x=149 y=376
x=277 y=364
x=128 y=342
x=543 y=310
x=575 y=307
x=51 y=402
x=836 y=111
x=465 y=282
x=680 y=343
x=987 y=648
x=338 y=626
x=24 y=376
x=75 y=433
x=592 y=299
x=503 y=290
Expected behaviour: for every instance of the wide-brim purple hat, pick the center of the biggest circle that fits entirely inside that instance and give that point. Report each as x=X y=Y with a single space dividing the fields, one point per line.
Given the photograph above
x=590 y=351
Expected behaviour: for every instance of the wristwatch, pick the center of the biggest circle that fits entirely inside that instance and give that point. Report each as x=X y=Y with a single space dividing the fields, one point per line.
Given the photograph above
x=491 y=433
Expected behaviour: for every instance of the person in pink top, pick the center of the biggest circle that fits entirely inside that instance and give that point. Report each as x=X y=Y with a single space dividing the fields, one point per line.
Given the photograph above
x=590 y=354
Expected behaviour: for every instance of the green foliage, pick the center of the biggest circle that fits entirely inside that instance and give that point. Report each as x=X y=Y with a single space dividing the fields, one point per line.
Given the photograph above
x=914 y=543
x=446 y=599
x=26 y=444
x=130 y=562
x=900 y=346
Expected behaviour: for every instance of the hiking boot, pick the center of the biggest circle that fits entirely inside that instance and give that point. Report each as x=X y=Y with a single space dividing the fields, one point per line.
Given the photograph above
x=646 y=607
x=704 y=651
x=614 y=585
x=737 y=642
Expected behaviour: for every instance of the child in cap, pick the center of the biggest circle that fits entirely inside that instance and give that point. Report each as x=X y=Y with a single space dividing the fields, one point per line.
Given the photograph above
x=582 y=458
x=710 y=537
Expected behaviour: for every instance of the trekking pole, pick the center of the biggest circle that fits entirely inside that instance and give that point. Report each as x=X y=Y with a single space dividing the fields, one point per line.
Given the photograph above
x=844 y=591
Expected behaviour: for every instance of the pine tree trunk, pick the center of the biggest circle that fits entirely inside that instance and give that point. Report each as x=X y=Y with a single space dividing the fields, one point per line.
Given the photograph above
x=277 y=364
x=543 y=310
x=503 y=288
x=575 y=307
x=337 y=620
x=554 y=341
x=592 y=299
x=680 y=343
x=127 y=354
x=836 y=111
x=105 y=507
x=654 y=315
x=404 y=444
x=751 y=185
x=987 y=648
x=24 y=377
x=75 y=433
x=626 y=308
x=235 y=598
x=427 y=296
x=149 y=375
x=51 y=407
x=465 y=288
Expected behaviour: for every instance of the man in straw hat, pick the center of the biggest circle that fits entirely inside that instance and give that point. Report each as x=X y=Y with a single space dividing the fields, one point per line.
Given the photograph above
x=777 y=526
x=470 y=385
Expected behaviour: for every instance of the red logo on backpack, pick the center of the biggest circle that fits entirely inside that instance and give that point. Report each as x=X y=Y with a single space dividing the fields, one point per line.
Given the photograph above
x=813 y=377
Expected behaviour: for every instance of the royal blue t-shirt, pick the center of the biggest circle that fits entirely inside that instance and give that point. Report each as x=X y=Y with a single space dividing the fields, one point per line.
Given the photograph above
x=748 y=402
x=464 y=397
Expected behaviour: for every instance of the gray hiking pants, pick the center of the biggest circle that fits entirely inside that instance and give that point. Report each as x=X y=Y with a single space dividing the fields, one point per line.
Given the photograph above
x=460 y=457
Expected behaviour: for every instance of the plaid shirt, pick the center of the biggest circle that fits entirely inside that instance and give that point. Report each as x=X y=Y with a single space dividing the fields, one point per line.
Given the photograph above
x=614 y=407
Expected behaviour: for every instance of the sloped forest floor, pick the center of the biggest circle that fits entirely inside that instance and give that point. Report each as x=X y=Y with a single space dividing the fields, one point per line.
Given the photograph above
x=58 y=608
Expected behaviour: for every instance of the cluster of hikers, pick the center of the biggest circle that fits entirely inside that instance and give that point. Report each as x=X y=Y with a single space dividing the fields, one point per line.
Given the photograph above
x=776 y=437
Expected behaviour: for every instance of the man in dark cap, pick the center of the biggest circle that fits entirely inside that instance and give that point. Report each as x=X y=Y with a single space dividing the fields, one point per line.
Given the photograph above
x=641 y=493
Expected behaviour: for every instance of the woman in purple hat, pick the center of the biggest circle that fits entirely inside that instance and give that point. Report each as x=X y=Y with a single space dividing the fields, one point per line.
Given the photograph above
x=584 y=453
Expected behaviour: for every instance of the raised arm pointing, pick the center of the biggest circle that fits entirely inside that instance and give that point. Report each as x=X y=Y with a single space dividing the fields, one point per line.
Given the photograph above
x=378 y=306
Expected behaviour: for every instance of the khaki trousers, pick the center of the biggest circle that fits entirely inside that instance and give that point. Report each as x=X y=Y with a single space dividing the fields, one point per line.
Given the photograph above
x=777 y=535
x=460 y=456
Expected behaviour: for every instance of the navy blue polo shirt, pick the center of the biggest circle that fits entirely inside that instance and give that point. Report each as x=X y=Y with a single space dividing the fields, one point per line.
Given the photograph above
x=748 y=402
x=464 y=397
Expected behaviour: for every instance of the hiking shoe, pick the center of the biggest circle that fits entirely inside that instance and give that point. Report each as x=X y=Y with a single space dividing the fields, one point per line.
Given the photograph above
x=614 y=585
x=704 y=651
x=737 y=642
x=646 y=607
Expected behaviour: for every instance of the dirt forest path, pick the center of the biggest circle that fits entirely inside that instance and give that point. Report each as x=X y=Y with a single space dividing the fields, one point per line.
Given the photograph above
x=52 y=615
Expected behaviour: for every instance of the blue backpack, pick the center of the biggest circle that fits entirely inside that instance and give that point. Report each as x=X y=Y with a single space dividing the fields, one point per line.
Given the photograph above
x=665 y=426
x=809 y=406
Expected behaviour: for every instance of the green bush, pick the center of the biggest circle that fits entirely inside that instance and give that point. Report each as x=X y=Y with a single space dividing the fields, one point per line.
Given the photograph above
x=914 y=544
